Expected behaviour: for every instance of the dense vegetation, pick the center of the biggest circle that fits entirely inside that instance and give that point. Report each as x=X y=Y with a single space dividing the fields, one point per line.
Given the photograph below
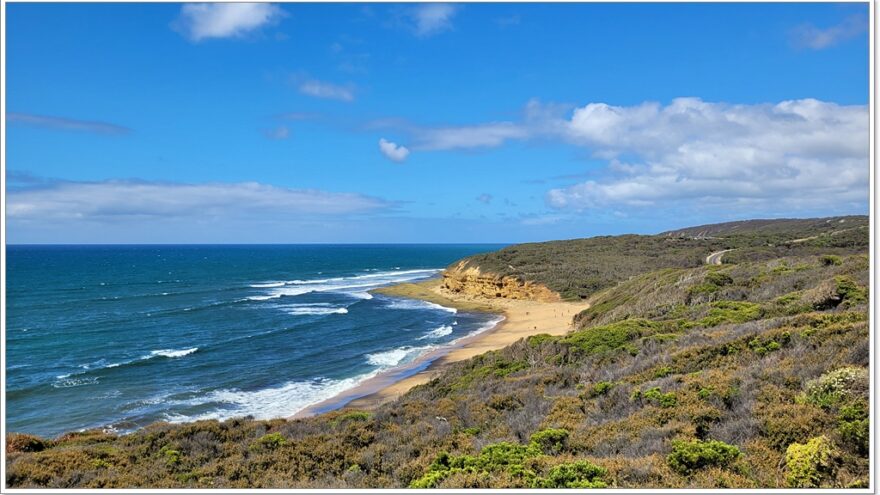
x=578 y=268
x=748 y=374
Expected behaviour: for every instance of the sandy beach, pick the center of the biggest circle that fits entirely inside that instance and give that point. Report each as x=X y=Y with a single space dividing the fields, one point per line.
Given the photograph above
x=521 y=319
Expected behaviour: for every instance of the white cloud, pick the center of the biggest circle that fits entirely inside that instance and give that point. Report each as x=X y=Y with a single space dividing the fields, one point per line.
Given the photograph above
x=280 y=132
x=393 y=151
x=812 y=37
x=432 y=18
x=110 y=201
x=791 y=155
x=477 y=136
x=65 y=124
x=320 y=89
x=484 y=198
x=199 y=21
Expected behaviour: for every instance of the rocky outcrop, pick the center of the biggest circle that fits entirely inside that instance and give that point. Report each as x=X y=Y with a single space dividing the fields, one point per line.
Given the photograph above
x=470 y=281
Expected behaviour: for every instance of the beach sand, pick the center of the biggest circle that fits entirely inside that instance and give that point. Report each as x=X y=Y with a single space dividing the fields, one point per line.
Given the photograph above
x=521 y=319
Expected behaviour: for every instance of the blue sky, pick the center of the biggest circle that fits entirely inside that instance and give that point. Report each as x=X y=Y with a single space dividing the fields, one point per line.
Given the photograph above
x=428 y=122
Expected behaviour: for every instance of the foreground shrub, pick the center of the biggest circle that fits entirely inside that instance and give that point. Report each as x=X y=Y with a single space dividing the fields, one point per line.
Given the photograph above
x=20 y=442
x=849 y=292
x=838 y=386
x=503 y=457
x=854 y=428
x=608 y=338
x=811 y=463
x=269 y=441
x=689 y=456
x=549 y=441
x=579 y=474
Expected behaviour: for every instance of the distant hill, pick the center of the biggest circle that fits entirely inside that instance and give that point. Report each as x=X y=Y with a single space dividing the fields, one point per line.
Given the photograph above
x=792 y=228
x=578 y=268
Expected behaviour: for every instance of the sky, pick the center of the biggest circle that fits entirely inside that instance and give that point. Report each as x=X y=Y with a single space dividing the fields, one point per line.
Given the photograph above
x=423 y=123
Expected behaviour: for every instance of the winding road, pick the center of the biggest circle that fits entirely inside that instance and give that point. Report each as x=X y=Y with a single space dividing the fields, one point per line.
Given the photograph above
x=715 y=258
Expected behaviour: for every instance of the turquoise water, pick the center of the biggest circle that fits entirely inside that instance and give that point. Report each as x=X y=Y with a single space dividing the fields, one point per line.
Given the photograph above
x=121 y=336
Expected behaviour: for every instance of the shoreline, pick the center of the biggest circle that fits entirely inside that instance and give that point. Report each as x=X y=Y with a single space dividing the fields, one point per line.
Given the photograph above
x=518 y=319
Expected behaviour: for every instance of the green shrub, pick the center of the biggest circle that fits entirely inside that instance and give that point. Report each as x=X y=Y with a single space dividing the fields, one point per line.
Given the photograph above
x=656 y=396
x=537 y=340
x=608 y=338
x=663 y=371
x=838 y=386
x=849 y=292
x=172 y=456
x=718 y=279
x=688 y=456
x=578 y=474
x=854 y=427
x=600 y=388
x=270 y=441
x=549 y=441
x=811 y=463
x=355 y=416
x=499 y=457
x=723 y=312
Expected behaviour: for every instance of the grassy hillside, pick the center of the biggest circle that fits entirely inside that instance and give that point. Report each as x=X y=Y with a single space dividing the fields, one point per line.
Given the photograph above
x=579 y=268
x=748 y=374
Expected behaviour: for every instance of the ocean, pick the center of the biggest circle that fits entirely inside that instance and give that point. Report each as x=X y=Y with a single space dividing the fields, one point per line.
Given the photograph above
x=118 y=337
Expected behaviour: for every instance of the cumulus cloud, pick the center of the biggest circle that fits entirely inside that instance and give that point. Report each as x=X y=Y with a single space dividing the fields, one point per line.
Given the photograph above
x=815 y=38
x=326 y=90
x=65 y=124
x=428 y=19
x=200 y=21
x=110 y=201
x=393 y=151
x=794 y=154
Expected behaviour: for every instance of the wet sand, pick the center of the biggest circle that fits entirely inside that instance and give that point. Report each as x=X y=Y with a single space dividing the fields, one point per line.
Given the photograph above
x=521 y=319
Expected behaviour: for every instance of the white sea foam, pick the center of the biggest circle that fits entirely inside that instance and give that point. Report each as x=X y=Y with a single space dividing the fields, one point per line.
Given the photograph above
x=275 y=402
x=486 y=326
x=172 y=353
x=313 y=309
x=417 y=304
x=74 y=382
x=387 y=359
x=268 y=284
x=437 y=333
x=355 y=286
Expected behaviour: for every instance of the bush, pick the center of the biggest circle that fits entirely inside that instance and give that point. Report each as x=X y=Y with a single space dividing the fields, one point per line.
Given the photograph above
x=850 y=292
x=689 y=456
x=549 y=441
x=811 y=463
x=20 y=442
x=579 y=474
x=270 y=440
x=838 y=386
x=608 y=338
x=501 y=457
x=600 y=388
x=656 y=396
x=854 y=428
x=731 y=312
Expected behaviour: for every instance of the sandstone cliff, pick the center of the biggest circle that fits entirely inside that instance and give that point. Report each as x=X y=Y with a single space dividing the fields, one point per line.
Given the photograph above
x=470 y=281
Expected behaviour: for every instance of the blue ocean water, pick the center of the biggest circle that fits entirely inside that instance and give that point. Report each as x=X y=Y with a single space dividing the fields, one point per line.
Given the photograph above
x=122 y=336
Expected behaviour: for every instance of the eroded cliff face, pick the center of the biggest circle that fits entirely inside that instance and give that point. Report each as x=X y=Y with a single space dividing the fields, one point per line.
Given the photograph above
x=471 y=281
